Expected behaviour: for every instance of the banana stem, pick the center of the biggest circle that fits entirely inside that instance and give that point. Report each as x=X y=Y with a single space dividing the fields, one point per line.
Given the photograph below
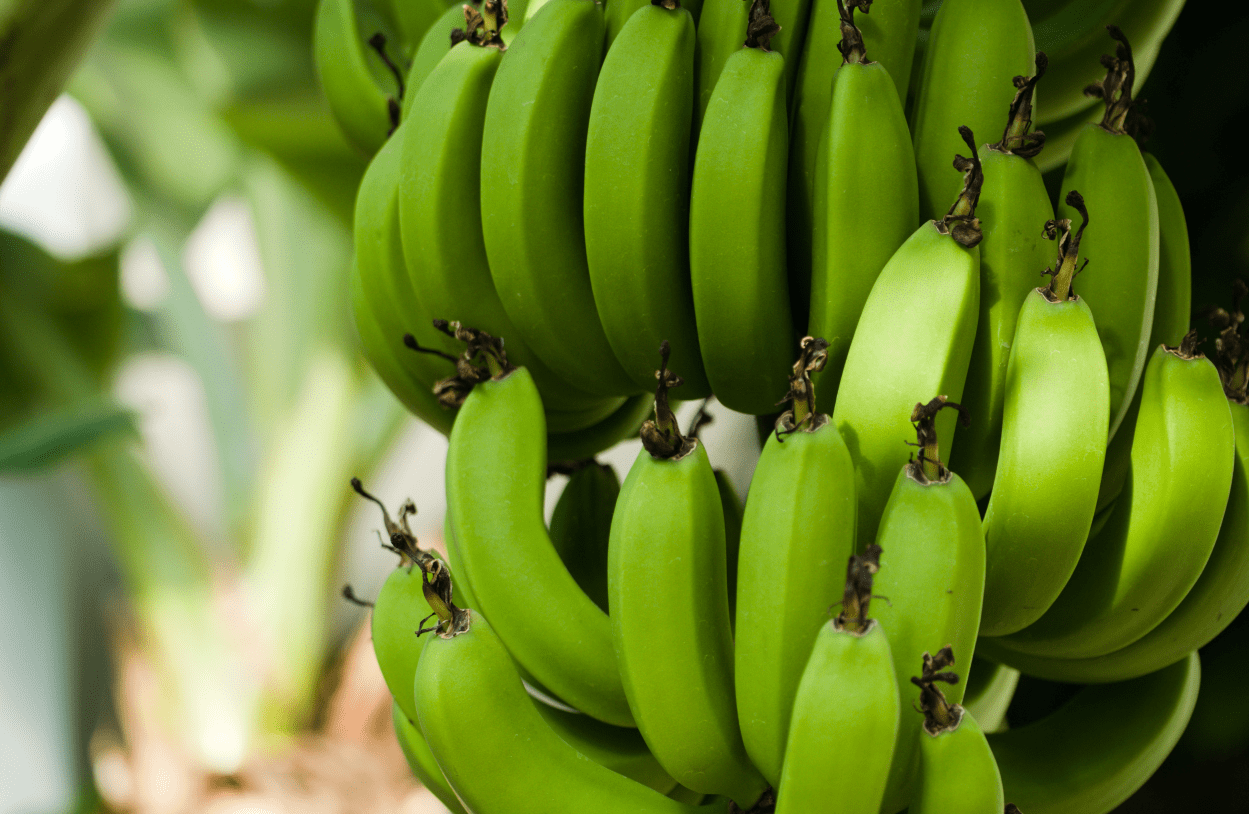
x=801 y=395
x=436 y=586
x=1116 y=88
x=857 y=599
x=760 y=27
x=853 y=50
x=1016 y=139
x=939 y=714
x=961 y=222
x=1065 y=269
x=661 y=436
x=928 y=468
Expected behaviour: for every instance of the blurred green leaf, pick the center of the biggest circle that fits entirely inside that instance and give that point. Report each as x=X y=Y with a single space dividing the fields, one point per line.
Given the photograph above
x=51 y=436
x=41 y=42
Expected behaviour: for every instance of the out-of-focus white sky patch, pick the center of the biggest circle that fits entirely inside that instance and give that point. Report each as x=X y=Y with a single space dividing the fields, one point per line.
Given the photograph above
x=64 y=192
x=177 y=437
x=222 y=260
x=144 y=281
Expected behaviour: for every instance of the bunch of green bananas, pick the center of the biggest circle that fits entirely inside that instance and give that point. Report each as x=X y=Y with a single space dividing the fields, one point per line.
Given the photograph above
x=568 y=188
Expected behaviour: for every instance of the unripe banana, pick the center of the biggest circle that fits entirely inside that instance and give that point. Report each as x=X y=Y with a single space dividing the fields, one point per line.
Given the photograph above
x=798 y=530
x=582 y=444
x=614 y=747
x=637 y=195
x=1103 y=744
x=668 y=593
x=1012 y=202
x=1164 y=527
x=496 y=475
x=733 y=509
x=791 y=16
x=352 y=74
x=889 y=35
x=432 y=48
x=932 y=571
x=913 y=339
x=846 y=712
x=581 y=524
x=720 y=33
x=990 y=689
x=421 y=759
x=1106 y=166
x=1057 y=401
x=974 y=49
x=532 y=163
x=957 y=771
x=737 y=228
x=865 y=199
x=492 y=744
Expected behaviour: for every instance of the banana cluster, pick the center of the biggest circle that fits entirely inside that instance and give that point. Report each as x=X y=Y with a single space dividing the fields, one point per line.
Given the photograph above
x=1010 y=478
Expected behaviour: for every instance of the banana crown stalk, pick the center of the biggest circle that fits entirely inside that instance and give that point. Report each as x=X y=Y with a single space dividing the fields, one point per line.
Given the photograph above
x=1016 y=139
x=1231 y=350
x=483 y=360
x=939 y=714
x=856 y=601
x=483 y=27
x=661 y=435
x=853 y=51
x=927 y=468
x=802 y=414
x=1115 y=89
x=960 y=222
x=760 y=27
x=436 y=585
x=1065 y=269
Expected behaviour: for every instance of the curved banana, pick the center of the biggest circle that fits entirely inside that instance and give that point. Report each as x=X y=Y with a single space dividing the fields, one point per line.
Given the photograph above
x=582 y=444
x=581 y=524
x=1106 y=166
x=474 y=713
x=1052 y=450
x=667 y=588
x=797 y=531
x=737 y=228
x=791 y=16
x=733 y=510
x=957 y=771
x=421 y=760
x=846 y=712
x=990 y=689
x=1012 y=255
x=1156 y=543
x=1104 y=743
x=721 y=30
x=532 y=163
x=615 y=15
x=865 y=199
x=974 y=49
x=496 y=475
x=636 y=200
x=615 y=747
x=352 y=75
x=440 y=210
x=932 y=571
x=914 y=338
x=432 y=48
x=889 y=35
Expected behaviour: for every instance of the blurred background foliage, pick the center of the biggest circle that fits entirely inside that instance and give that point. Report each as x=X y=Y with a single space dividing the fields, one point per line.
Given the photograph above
x=199 y=559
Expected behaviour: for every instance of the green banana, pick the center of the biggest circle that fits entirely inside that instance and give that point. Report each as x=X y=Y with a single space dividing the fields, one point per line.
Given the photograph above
x=720 y=33
x=1053 y=446
x=1156 y=543
x=797 y=530
x=1072 y=37
x=432 y=48
x=475 y=714
x=990 y=689
x=421 y=760
x=737 y=228
x=440 y=213
x=636 y=202
x=1220 y=593
x=496 y=474
x=667 y=588
x=791 y=16
x=889 y=35
x=865 y=199
x=1106 y=166
x=733 y=510
x=913 y=338
x=1012 y=202
x=846 y=711
x=973 y=51
x=582 y=444
x=1099 y=748
x=932 y=571
x=581 y=524
x=957 y=771
x=532 y=163
x=614 y=747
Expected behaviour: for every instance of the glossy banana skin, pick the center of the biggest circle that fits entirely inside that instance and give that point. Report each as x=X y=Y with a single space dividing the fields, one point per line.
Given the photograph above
x=1174 y=301
x=720 y=33
x=440 y=211
x=932 y=571
x=351 y=85
x=532 y=163
x=792 y=17
x=1122 y=240
x=496 y=475
x=1013 y=207
x=797 y=533
x=913 y=340
x=615 y=747
x=957 y=772
x=432 y=48
x=667 y=588
x=636 y=201
x=422 y=761
x=581 y=524
x=475 y=713
x=1053 y=447
x=1104 y=744
x=1156 y=543
x=737 y=235
x=622 y=424
x=974 y=50
x=845 y=720
x=1220 y=594
x=865 y=207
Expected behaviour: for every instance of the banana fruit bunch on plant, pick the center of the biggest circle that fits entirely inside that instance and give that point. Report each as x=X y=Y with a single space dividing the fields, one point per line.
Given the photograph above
x=1009 y=476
